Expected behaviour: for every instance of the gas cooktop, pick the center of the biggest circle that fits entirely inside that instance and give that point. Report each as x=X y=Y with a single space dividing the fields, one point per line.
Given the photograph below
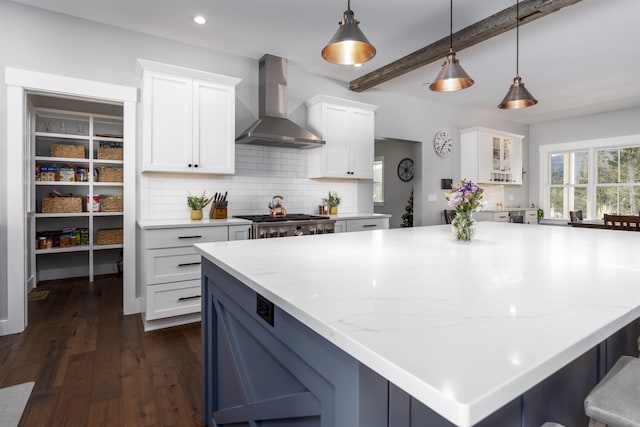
x=288 y=217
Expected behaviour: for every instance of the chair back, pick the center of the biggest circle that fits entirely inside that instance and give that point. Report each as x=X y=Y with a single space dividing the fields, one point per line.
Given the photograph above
x=575 y=216
x=449 y=214
x=622 y=222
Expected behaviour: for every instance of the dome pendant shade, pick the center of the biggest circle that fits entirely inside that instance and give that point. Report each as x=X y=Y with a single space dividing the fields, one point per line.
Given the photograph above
x=348 y=46
x=451 y=77
x=517 y=97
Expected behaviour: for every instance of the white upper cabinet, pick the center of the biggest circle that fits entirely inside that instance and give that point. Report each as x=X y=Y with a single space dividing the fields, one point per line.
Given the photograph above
x=348 y=128
x=491 y=156
x=188 y=120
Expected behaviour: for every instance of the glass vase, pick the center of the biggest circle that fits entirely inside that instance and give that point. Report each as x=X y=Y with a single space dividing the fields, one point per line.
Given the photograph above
x=464 y=225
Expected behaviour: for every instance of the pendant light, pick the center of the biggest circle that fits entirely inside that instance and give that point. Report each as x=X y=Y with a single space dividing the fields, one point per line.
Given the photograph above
x=451 y=76
x=517 y=96
x=348 y=46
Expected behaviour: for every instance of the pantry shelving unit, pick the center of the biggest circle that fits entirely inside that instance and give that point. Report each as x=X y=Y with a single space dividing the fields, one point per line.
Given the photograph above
x=77 y=132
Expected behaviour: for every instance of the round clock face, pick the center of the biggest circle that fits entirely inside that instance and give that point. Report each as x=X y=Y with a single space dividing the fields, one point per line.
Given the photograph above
x=442 y=143
x=405 y=170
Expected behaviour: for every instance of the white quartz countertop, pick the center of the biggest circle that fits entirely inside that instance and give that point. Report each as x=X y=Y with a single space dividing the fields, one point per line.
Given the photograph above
x=359 y=216
x=186 y=222
x=463 y=327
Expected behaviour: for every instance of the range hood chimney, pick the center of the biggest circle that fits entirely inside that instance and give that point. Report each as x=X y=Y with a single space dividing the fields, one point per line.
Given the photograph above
x=273 y=128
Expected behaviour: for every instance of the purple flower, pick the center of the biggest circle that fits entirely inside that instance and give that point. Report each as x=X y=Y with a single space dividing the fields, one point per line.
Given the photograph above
x=465 y=197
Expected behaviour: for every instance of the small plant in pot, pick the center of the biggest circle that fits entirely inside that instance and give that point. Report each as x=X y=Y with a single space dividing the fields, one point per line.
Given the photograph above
x=197 y=203
x=333 y=200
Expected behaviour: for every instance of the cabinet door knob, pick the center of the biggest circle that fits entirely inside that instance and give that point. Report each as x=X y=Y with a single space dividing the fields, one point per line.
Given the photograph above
x=195 y=166
x=189 y=165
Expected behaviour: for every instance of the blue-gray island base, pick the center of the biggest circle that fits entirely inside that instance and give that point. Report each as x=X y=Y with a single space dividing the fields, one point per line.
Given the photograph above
x=262 y=367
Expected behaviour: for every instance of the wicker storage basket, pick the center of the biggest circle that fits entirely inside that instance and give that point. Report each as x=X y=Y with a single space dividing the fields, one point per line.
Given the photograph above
x=111 y=204
x=106 y=174
x=61 y=204
x=109 y=236
x=67 y=150
x=109 y=153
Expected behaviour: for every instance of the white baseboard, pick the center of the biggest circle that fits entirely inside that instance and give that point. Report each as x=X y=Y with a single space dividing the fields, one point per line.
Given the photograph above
x=4 y=327
x=152 y=325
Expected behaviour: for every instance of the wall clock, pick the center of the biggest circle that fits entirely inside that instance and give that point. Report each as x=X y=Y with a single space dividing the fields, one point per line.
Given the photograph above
x=405 y=170
x=442 y=143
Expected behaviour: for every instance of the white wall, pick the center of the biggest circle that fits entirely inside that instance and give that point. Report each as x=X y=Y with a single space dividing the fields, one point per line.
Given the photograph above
x=35 y=39
x=595 y=126
x=3 y=168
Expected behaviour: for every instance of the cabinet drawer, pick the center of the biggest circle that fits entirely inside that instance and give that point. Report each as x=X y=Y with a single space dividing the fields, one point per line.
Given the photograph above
x=171 y=264
x=501 y=216
x=367 y=224
x=531 y=217
x=186 y=236
x=173 y=299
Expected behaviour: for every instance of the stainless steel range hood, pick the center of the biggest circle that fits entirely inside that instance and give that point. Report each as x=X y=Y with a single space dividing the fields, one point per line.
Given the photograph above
x=273 y=128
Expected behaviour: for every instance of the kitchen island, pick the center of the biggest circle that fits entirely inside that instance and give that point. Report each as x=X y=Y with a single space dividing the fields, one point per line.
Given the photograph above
x=410 y=327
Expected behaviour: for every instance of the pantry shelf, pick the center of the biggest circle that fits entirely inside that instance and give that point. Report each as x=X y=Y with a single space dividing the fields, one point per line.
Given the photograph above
x=76 y=148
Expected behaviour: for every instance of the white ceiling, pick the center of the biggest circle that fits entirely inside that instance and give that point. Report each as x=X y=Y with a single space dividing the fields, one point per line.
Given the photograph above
x=583 y=59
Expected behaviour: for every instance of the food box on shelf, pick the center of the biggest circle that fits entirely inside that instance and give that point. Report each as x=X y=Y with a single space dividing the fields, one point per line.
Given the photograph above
x=45 y=173
x=82 y=174
x=68 y=151
x=61 y=204
x=67 y=174
x=93 y=203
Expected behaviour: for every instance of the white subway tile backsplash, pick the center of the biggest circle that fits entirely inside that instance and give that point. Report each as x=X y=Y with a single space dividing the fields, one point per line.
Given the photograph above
x=261 y=173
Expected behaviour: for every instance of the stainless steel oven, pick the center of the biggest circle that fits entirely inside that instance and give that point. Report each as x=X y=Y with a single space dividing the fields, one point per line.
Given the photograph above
x=268 y=227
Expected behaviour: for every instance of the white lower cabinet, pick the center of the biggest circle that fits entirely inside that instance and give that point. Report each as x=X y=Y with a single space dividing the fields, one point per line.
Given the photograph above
x=529 y=216
x=361 y=224
x=171 y=271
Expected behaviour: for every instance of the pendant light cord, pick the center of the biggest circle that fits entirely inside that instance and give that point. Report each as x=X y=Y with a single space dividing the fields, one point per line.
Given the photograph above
x=517 y=38
x=348 y=4
x=450 y=26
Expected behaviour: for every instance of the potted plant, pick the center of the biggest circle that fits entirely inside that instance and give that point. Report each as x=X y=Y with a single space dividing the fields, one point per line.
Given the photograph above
x=197 y=203
x=333 y=200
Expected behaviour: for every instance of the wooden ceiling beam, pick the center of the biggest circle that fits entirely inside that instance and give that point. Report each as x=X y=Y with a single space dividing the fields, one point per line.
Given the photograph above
x=496 y=24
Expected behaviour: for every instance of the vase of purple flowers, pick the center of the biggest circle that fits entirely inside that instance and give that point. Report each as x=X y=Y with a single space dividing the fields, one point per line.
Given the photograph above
x=466 y=199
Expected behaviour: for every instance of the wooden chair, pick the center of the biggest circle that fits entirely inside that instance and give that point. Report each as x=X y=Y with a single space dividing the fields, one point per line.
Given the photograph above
x=449 y=214
x=575 y=216
x=622 y=222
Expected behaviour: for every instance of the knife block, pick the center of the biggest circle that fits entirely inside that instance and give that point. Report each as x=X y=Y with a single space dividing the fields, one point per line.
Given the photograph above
x=218 y=213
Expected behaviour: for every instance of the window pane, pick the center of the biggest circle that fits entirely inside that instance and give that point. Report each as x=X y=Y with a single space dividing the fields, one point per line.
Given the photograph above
x=606 y=201
x=557 y=202
x=581 y=167
x=634 y=196
x=630 y=165
x=557 y=169
x=608 y=166
x=578 y=196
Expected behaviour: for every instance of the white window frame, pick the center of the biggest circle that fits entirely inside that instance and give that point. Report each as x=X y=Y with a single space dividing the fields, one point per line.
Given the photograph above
x=545 y=152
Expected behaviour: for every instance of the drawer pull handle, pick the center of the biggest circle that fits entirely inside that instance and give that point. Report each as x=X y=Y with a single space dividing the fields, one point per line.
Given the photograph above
x=189 y=237
x=188 y=298
x=368 y=225
x=186 y=264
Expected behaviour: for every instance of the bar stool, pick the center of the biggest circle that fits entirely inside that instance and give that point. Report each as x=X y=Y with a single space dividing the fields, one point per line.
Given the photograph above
x=615 y=401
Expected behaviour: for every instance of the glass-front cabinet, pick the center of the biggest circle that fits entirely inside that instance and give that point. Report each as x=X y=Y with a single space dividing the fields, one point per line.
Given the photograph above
x=490 y=156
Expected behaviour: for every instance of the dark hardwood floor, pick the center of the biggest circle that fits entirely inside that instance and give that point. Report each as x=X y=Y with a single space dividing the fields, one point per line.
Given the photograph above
x=92 y=366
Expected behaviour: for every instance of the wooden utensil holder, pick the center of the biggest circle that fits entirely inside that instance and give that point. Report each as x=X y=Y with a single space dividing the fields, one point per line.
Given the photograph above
x=218 y=213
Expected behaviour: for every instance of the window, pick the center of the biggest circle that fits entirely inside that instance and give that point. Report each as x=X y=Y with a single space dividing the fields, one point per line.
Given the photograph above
x=596 y=177
x=378 y=180
x=618 y=187
x=569 y=183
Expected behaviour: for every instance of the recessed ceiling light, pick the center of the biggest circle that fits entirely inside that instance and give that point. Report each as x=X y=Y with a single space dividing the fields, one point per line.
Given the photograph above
x=200 y=20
